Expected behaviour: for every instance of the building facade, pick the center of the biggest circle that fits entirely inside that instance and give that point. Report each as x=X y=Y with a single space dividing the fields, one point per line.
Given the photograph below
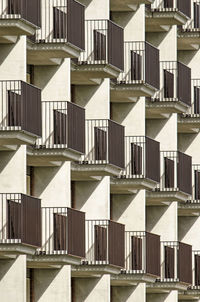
x=99 y=150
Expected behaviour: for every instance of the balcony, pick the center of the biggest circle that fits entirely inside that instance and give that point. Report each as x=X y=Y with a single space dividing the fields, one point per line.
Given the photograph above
x=162 y=14
x=175 y=181
x=141 y=73
x=104 y=151
x=127 y=5
x=63 y=238
x=20 y=224
x=142 y=259
x=103 y=56
x=174 y=95
x=61 y=34
x=189 y=34
x=189 y=122
x=104 y=249
x=18 y=17
x=192 y=206
x=176 y=267
x=20 y=114
x=63 y=134
x=142 y=166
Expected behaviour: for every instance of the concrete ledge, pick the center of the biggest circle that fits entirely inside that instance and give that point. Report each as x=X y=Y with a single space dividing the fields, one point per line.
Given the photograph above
x=162 y=286
x=94 y=270
x=53 y=260
x=131 y=185
x=189 y=124
x=161 y=197
x=162 y=108
x=86 y=171
x=8 y=250
x=189 y=209
x=16 y=27
x=131 y=279
x=16 y=137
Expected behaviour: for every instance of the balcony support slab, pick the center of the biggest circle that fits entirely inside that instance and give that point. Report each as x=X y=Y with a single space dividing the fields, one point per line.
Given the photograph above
x=129 y=279
x=88 y=171
x=164 y=197
x=13 y=249
x=94 y=270
x=189 y=124
x=16 y=137
x=56 y=261
x=163 y=109
x=189 y=209
x=189 y=40
x=16 y=27
x=164 y=287
x=131 y=185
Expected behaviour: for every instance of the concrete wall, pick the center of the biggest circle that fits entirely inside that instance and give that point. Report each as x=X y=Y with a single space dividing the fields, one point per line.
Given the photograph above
x=129 y=293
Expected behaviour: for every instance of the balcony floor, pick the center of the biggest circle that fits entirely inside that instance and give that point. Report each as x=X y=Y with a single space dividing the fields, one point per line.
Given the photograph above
x=130 y=92
x=157 y=21
x=165 y=197
x=89 y=171
x=12 y=250
x=189 y=209
x=91 y=74
x=165 y=287
x=191 y=294
x=189 y=40
x=84 y=271
x=133 y=279
x=130 y=185
x=50 y=157
x=16 y=27
x=53 y=261
x=189 y=124
x=16 y=137
x=163 y=109
x=50 y=53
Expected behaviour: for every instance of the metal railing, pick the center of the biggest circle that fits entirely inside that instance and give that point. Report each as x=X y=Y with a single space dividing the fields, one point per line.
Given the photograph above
x=21 y=9
x=63 y=126
x=62 y=21
x=104 y=243
x=20 y=219
x=175 y=83
x=142 y=158
x=176 y=262
x=183 y=6
x=142 y=253
x=63 y=232
x=176 y=172
x=104 y=143
x=104 y=44
x=193 y=24
x=20 y=107
x=141 y=64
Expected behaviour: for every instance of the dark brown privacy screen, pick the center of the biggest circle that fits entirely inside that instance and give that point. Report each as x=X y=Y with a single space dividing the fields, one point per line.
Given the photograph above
x=152 y=159
x=100 y=144
x=184 y=83
x=152 y=254
x=136 y=66
x=100 y=243
x=24 y=220
x=29 y=10
x=60 y=127
x=185 y=263
x=60 y=232
x=14 y=109
x=196 y=15
x=59 y=24
x=169 y=262
x=168 y=3
x=115 y=45
x=76 y=23
x=76 y=232
x=197 y=270
x=168 y=84
x=184 y=6
x=169 y=173
x=152 y=66
x=136 y=159
x=116 y=244
x=197 y=185
x=197 y=98
x=76 y=127
x=184 y=173
x=99 y=46
x=136 y=253
x=116 y=144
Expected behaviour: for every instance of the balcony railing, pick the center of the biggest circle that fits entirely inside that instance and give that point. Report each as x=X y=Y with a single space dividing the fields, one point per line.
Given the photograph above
x=21 y=9
x=175 y=83
x=62 y=22
x=142 y=253
x=141 y=64
x=20 y=107
x=182 y=6
x=20 y=221
x=176 y=259
x=104 y=44
x=104 y=143
x=63 y=232
x=105 y=243
x=63 y=126
x=176 y=172
x=142 y=158
x=193 y=24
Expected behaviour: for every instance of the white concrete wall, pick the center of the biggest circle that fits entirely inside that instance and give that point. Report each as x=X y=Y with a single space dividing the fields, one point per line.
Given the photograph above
x=170 y=297
x=96 y=9
x=52 y=284
x=188 y=228
x=13 y=279
x=129 y=293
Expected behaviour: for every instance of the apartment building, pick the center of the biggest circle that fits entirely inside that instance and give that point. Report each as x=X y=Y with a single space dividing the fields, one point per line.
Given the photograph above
x=99 y=150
